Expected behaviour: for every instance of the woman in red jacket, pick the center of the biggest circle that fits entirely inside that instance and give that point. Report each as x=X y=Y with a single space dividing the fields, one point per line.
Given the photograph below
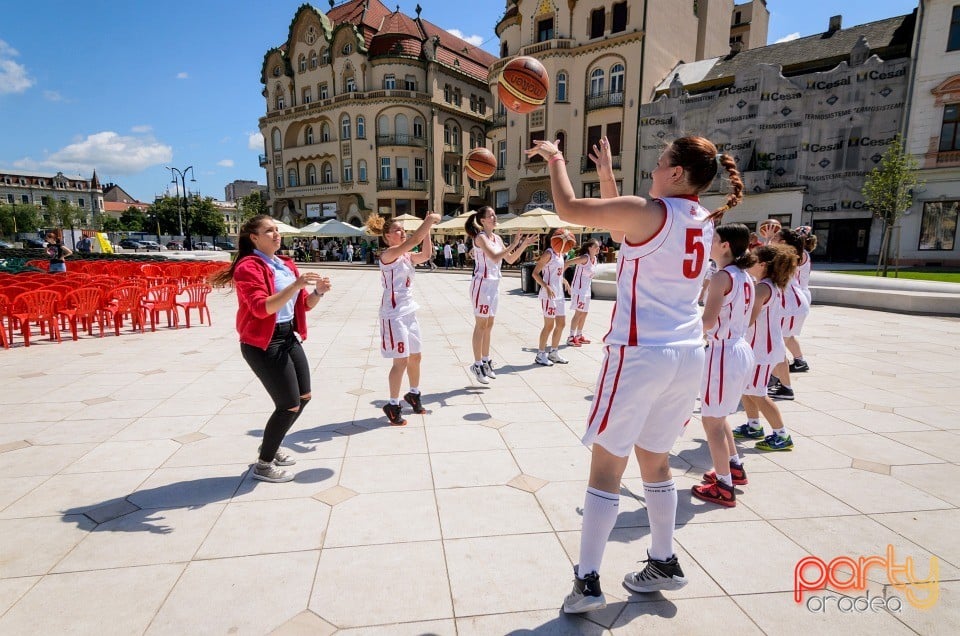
x=272 y=321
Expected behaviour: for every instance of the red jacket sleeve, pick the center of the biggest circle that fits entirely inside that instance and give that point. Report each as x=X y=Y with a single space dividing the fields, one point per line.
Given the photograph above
x=251 y=282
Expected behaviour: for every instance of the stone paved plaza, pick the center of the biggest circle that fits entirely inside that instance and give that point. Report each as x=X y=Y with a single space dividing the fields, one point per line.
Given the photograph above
x=127 y=505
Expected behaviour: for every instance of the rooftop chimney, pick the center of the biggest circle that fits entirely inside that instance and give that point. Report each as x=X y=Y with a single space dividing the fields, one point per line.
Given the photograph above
x=835 y=23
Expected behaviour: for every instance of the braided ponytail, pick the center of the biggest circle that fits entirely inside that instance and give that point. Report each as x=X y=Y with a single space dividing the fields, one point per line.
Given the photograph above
x=735 y=196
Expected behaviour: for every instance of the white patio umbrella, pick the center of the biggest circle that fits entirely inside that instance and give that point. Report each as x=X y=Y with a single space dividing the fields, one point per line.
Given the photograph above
x=287 y=230
x=409 y=222
x=453 y=226
x=310 y=229
x=334 y=228
x=536 y=220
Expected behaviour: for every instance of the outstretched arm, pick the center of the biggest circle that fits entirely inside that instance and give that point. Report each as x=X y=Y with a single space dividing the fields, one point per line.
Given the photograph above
x=393 y=253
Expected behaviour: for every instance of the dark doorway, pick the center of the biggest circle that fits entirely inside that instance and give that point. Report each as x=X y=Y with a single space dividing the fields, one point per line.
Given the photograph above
x=842 y=240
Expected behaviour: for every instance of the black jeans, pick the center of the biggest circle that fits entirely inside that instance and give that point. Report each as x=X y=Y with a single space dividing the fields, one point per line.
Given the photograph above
x=284 y=372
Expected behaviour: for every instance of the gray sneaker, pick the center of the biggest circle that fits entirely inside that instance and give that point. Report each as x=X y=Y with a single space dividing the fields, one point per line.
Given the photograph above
x=478 y=373
x=271 y=473
x=488 y=369
x=555 y=357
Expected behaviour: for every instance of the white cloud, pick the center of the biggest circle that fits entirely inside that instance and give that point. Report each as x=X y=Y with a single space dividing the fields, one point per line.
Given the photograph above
x=52 y=96
x=182 y=75
x=255 y=141
x=788 y=38
x=106 y=151
x=13 y=76
x=141 y=129
x=475 y=40
x=225 y=163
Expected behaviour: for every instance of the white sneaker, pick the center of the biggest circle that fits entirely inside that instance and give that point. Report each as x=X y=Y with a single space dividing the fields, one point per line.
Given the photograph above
x=488 y=369
x=554 y=356
x=477 y=371
x=544 y=359
x=270 y=472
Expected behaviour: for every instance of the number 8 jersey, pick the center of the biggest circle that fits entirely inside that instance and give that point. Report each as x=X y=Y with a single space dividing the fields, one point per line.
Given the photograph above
x=659 y=280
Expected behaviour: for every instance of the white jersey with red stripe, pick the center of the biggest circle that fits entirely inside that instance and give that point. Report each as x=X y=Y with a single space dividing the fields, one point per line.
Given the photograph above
x=484 y=266
x=803 y=275
x=734 y=317
x=552 y=275
x=659 y=280
x=766 y=335
x=397 y=279
x=583 y=277
x=794 y=302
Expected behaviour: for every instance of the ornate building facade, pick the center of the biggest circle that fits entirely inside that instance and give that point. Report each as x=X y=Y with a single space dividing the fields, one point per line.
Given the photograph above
x=369 y=109
x=36 y=188
x=604 y=60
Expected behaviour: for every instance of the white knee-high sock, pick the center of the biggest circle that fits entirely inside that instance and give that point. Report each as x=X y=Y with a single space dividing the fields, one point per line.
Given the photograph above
x=599 y=516
x=661 y=498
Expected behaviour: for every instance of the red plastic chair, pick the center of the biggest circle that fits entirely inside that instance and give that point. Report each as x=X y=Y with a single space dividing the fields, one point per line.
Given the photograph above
x=162 y=298
x=84 y=305
x=39 y=306
x=4 y=310
x=196 y=298
x=125 y=300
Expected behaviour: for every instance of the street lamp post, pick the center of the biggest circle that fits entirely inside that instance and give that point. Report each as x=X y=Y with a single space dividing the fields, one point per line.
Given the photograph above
x=174 y=172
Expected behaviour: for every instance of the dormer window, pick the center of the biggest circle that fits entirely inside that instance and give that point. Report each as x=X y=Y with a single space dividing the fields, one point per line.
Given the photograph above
x=347 y=49
x=276 y=71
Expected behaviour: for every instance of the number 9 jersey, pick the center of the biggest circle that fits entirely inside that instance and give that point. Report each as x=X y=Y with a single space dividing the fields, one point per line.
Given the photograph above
x=659 y=280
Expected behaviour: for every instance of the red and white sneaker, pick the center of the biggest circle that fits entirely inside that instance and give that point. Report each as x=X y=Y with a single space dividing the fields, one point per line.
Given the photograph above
x=583 y=339
x=573 y=341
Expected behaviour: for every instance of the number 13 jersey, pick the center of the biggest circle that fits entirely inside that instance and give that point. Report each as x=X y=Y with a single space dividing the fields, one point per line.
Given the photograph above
x=659 y=280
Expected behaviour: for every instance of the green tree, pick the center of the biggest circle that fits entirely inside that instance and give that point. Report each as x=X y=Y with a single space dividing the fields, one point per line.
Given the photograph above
x=888 y=192
x=18 y=218
x=62 y=213
x=253 y=204
x=166 y=211
x=205 y=218
x=111 y=224
x=133 y=220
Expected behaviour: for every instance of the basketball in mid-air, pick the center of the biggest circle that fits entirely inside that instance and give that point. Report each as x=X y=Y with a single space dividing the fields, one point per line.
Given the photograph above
x=768 y=228
x=562 y=241
x=481 y=164
x=523 y=85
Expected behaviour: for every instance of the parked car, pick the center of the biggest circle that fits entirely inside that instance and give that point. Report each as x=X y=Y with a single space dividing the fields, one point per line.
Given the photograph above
x=5 y=245
x=203 y=245
x=32 y=242
x=225 y=245
x=174 y=245
x=130 y=244
x=151 y=246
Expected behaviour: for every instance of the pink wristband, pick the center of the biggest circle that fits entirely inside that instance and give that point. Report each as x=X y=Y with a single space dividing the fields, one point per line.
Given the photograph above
x=556 y=157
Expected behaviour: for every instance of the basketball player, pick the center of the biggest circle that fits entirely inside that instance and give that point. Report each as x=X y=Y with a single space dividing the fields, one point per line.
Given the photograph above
x=548 y=273
x=586 y=267
x=399 y=330
x=654 y=349
x=488 y=252
x=726 y=316
x=799 y=365
x=796 y=307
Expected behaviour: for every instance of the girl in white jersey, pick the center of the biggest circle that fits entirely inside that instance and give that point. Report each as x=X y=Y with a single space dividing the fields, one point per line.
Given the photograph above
x=488 y=252
x=654 y=350
x=548 y=273
x=805 y=232
x=726 y=317
x=399 y=330
x=775 y=268
x=586 y=264
x=795 y=307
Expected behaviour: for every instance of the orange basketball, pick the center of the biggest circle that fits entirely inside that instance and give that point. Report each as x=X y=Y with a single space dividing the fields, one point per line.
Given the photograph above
x=523 y=85
x=768 y=228
x=562 y=241
x=481 y=164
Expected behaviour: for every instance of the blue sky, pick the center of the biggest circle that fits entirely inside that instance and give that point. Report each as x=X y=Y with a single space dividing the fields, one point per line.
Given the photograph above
x=130 y=86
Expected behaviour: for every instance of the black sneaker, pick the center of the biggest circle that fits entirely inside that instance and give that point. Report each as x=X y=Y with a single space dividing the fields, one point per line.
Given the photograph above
x=413 y=399
x=586 y=595
x=657 y=576
x=392 y=412
x=780 y=393
x=799 y=366
x=773 y=382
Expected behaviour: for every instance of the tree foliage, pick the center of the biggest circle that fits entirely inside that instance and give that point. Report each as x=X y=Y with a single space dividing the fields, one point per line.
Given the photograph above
x=110 y=224
x=253 y=204
x=134 y=220
x=19 y=218
x=167 y=212
x=888 y=192
x=205 y=218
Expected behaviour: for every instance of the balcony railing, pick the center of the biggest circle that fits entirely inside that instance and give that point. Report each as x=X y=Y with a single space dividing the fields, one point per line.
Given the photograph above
x=456 y=189
x=313 y=188
x=401 y=140
x=587 y=165
x=498 y=175
x=499 y=120
x=400 y=184
x=604 y=100
x=263 y=161
x=456 y=149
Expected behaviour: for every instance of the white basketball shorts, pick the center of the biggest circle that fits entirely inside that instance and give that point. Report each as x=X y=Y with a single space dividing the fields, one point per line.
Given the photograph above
x=400 y=337
x=485 y=295
x=725 y=372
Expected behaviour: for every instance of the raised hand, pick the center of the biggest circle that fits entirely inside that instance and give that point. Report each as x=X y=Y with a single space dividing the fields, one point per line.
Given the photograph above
x=323 y=285
x=601 y=155
x=432 y=218
x=544 y=148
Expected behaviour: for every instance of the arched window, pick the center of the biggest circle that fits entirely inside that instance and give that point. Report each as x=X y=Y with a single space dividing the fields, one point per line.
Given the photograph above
x=302 y=63
x=327 y=172
x=561 y=86
x=313 y=59
x=325 y=132
x=325 y=56
x=596 y=82
x=362 y=170
x=383 y=125
x=561 y=138
x=400 y=124
x=361 y=127
x=418 y=127
x=446 y=134
x=277 y=143
x=308 y=136
x=616 y=78
x=281 y=103
x=311 y=174
x=345 y=127
x=347 y=49
x=455 y=135
x=292 y=177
